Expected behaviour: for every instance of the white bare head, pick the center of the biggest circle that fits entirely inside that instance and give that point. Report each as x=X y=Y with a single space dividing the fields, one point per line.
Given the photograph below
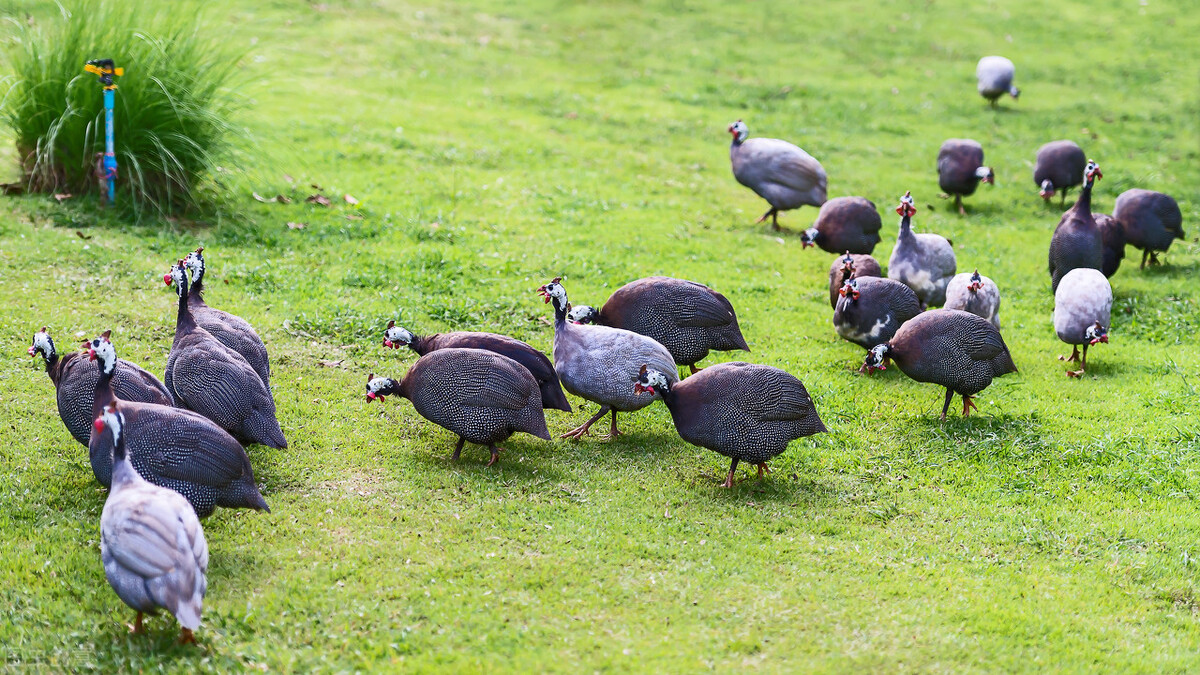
x=177 y=276
x=113 y=421
x=1092 y=172
x=583 y=314
x=379 y=388
x=101 y=349
x=985 y=174
x=1046 y=190
x=42 y=344
x=650 y=381
x=396 y=336
x=739 y=131
x=194 y=262
x=554 y=291
x=1096 y=333
x=809 y=237
x=875 y=358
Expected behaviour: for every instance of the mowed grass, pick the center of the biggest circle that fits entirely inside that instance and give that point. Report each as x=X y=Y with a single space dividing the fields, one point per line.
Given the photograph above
x=493 y=147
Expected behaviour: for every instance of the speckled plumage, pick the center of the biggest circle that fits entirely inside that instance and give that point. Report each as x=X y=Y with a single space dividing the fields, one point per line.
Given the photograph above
x=1152 y=220
x=151 y=543
x=846 y=224
x=1076 y=242
x=983 y=301
x=206 y=376
x=230 y=330
x=958 y=161
x=687 y=318
x=1084 y=297
x=994 y=77
x=74 y=379
x=860 y=265
x=1061 y=163
x=1112 y=236
x=778 y=171
x=923 y=262
x=882 y=306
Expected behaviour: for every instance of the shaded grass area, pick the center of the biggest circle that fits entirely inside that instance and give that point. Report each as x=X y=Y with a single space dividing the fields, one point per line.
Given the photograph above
x=492 y=147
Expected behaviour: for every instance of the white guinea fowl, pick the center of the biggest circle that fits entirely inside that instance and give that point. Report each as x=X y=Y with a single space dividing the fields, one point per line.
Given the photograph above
x=1082 y=313
x=778 y=171
x=923 y=262
x=972 y=292
x=995 y=75
x=151 y=542
x=598 y=363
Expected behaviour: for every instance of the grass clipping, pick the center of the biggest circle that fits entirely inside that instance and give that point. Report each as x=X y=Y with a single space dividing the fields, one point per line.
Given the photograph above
x=173 y=107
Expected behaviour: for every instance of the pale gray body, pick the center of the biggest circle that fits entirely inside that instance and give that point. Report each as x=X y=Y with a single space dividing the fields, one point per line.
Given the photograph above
x=1083 y=298
x=924 y=263
x=599 y=363
x=983 y=302
x=994 y=77
x=779 y=172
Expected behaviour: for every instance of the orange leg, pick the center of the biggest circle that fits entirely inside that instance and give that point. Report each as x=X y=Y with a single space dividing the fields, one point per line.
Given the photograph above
x=762 y=469
x=729 y=480
x=582 y=430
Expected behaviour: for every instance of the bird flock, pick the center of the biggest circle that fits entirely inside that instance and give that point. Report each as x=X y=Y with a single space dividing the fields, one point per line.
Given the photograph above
x=171 y=451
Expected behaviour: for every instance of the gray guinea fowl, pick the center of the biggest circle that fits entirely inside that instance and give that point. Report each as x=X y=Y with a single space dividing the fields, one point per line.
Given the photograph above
x=1112 y=236
x=206 y=376
x=687 y=318
x=597 y=362
x=923 y=262
x=172 y=447
x=744 y=411
x=994 y=77
x=972 y=292
x=845 y=224
x=1152 y=220
x=847 y=267
x=779 y=172
x=960 y=169
x=870 y=310
x=75 y=385
x=230 y=330
x=151 y=542
x=1077 y=241
x=947 y=347
x=480 y=395
x=533 y=360
x=1082 y=312
x=1059 y=168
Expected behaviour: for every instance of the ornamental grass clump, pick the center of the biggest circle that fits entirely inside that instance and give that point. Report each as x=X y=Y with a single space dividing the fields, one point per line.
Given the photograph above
x=174 y=105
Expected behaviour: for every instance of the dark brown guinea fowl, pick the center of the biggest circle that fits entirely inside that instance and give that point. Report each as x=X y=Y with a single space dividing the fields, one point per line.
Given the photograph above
x=845 y=224
x=171 y=447
x=870 y=310
x=75 y=385
x=1152 y=220
x=1112 y=236
x=482 y=396
x=1059 y=167
x=206 y=376
x=687 y=318
x=537 y=363
x=847 y=267
x=948 y=347
x=960 y=169
x=1077 y=241
x=747 y=412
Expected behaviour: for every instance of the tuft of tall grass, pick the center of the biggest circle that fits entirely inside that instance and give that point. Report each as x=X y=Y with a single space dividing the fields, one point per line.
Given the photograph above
x=174 y=107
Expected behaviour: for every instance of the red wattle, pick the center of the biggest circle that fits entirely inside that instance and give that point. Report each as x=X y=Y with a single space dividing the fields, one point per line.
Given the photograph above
x=98 y=425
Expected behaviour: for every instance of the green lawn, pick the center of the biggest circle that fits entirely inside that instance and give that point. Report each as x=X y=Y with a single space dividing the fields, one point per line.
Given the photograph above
x=495 y=145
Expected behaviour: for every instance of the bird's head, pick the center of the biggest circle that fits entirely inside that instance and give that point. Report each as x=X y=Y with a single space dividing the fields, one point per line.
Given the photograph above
x=42 y=344
x=380 y=387
x=739 y=131
x=396 y=336
x=583 y=315
x=849 y=290
x=554 y=291
x=985 y=174
x=875 y=357
x=976 y=282
x=847 y=262
x=908 y=206
x=112 y=420
x=1047 y=190
x=101 y=349
x=809 y=237
x=1092 y=172
x=1096 y=333
x=650 y=381
x=1014 y=92
x=194 y=263
x=177 y=276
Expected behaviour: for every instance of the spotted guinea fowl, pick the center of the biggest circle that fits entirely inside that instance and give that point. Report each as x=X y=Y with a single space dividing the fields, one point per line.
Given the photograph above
x=923 y=262
x=870 y=310
x=482 y=396
x=1112 y=236
x=598 y=362
x=533 y=360
x=746 y=412
x=1059 y=168
x=994 y=76
x=232 y=331
x=687 y=318
x=847 y=267
x=1152 y=220
x=1082 y=311
x=1077 y=241
x=172 y=447
x=845 y=224
x=75 y=384
x=948 y=347
x=976 y=294
x=779 y=172
x=151 y=542
x=206 y=376
x=960 y=169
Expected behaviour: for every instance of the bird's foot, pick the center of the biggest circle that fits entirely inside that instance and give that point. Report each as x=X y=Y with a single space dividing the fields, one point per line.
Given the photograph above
x=694 y=369
x=186 y=637
x=763 y=469
x=578 y=432
x=495 y=455
x=962 y=211
x=1075 y=373
x=137 y=628
x=1154 y=259
x=969 y=405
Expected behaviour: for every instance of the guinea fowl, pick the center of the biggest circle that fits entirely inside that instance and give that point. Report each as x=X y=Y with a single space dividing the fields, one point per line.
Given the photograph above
x=687 y=318
x=1152 y=220
x=923 y=262
x=847 y=267
x=747 y=412
x=1082 y=311
x=976 y=294
x=482 y=396
x=960 y=169
x=232 y=331
x=845 y=224
x=870 y=310
x=1059 y=167
x=779 y=172
x=597 y=362
x=206 y=376
x=151 y=542
x=948 y=347
x=994 y=75
x=533 y=360
x=172 y=447
x=1112 y=236
x=75 y=385
x=1077 y=241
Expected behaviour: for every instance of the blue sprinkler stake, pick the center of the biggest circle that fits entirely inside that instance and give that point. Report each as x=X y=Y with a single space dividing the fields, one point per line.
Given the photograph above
x=105 y=70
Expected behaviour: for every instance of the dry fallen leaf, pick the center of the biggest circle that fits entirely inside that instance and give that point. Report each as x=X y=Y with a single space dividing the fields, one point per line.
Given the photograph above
x=316 y=187
x=295 y=226
x=331 y=364
x=351 y=200
x=283 y=199
x=63 y=196
x=353 y=216
x=318 y=199
x=289 y=178
x=82 y=235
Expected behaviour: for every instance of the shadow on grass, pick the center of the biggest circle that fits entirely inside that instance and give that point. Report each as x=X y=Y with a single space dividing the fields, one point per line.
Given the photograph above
x=983 y=437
